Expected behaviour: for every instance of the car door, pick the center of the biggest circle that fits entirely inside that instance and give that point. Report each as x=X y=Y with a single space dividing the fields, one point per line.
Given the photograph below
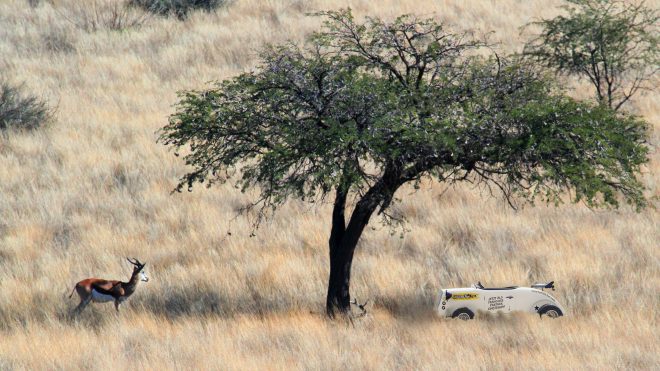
x=517 y=300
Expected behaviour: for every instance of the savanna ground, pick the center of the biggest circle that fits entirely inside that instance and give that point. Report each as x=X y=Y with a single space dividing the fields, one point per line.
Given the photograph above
x=93 y=187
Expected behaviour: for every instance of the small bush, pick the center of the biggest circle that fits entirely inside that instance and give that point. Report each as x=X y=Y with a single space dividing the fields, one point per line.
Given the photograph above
x=19 y=110
x=95 y=15
x=178 y=8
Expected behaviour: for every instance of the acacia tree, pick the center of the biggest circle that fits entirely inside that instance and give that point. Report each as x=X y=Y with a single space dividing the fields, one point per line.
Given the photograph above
x=613 y=44
x=365 y=108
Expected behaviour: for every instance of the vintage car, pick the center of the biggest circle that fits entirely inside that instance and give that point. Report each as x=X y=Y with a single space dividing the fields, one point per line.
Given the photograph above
x=463 y=303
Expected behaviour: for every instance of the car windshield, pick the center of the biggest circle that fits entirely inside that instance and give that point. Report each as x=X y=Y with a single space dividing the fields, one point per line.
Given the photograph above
x=479 y=286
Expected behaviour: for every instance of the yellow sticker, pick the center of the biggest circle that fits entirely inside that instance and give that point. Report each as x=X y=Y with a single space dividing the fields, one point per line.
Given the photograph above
x=464 y=296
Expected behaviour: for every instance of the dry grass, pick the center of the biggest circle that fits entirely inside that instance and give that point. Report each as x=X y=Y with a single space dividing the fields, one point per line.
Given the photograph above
x=95 y=187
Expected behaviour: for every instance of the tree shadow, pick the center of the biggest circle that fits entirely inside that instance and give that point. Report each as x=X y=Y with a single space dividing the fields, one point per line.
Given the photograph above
x=189 y=302
x=198 y=301
x=408 y=307
x=180 y=302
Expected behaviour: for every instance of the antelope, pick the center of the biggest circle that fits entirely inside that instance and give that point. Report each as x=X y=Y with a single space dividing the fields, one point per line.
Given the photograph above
x=102 y=291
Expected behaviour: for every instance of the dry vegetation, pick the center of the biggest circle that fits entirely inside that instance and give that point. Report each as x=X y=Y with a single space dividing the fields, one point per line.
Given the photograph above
x=93 y=187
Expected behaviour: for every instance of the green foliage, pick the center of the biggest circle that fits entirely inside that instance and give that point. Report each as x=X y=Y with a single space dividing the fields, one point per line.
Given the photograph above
x=178 y=8
x=21 y=111
x=613 y=44
x=366 y=108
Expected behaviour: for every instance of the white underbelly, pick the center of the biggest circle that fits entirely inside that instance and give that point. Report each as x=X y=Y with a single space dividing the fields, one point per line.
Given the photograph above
x=98 y=297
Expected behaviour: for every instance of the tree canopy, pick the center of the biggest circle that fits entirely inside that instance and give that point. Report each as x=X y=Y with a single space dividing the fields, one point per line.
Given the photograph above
x=613 y=44
x=365 y=107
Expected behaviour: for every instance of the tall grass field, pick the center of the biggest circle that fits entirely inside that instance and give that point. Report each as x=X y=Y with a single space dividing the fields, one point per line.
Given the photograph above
x=92 y=187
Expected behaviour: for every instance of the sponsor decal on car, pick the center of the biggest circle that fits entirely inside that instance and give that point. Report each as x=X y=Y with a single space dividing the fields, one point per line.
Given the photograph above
x=464 y=296
x=495 y=302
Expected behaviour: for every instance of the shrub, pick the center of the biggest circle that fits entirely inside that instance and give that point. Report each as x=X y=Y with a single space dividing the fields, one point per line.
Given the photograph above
x=178 y=8
x=19 y=110
x=95 y=15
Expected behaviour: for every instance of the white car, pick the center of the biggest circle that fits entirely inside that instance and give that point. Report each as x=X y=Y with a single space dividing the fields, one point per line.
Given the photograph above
x=463 y=303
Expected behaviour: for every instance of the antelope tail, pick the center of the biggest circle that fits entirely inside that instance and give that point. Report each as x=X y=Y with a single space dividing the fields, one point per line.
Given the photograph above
x=72 y=291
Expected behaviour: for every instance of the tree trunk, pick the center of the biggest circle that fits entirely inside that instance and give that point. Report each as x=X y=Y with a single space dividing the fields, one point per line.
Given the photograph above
x=339 y=297
x=340 y=267
x=344 y=238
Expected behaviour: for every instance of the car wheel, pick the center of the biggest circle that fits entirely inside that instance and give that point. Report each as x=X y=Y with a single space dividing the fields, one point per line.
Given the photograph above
x=550 y=311
x=463 y=313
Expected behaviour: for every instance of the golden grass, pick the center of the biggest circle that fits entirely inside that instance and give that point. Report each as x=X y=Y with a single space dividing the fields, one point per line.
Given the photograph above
x=95 y=187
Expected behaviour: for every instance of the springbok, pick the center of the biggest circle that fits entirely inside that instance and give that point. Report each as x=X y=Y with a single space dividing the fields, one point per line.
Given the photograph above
x=102 y=291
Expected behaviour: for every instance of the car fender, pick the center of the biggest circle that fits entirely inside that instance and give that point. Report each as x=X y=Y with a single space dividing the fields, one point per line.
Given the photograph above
x=539 y=304
x=547 y=299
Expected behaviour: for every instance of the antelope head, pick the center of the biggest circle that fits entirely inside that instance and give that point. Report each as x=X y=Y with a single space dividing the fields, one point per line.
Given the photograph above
x=138 y=268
